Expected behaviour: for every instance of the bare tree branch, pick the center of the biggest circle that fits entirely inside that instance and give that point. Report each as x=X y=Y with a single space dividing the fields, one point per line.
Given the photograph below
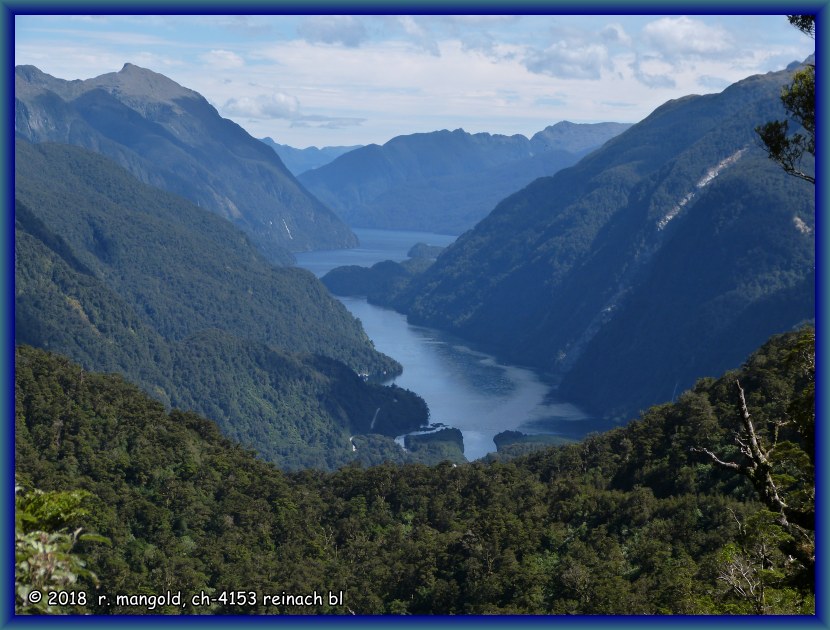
x=759 y=470
x=719 y=462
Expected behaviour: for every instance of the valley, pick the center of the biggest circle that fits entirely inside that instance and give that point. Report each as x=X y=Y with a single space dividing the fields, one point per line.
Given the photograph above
x=464 y=388
x=444 y=364
x=643 y=267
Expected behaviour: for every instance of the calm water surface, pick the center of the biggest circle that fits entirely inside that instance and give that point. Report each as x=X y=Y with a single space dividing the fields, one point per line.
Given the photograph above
x=463 y=387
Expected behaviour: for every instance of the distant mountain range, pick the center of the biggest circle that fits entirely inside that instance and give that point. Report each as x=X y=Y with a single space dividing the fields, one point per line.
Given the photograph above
x=445 y=181
x=666 y=256
x=670 y=253
x=300 y=160
x=171 y=137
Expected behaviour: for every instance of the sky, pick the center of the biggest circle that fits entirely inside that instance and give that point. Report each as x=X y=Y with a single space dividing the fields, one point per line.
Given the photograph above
x=342 y=80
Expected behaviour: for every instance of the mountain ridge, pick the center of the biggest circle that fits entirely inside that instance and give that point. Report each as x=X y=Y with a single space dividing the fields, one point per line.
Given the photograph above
x=126 y=278
x=557 y=263
x=299 y=161
x=171 y=137
x=445 y=181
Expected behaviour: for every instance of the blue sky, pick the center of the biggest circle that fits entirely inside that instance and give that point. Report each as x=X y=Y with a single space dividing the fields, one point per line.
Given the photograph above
x=328 y=80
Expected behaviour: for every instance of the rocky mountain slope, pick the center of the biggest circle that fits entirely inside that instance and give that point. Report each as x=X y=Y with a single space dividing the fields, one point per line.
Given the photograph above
x=172 y=138
x=669 y=253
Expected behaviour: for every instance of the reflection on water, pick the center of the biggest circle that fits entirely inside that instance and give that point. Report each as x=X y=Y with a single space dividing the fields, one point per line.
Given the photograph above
x=463 y=387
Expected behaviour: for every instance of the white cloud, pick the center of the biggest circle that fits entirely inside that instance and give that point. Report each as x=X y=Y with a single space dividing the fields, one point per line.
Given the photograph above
x=353 y=80
x=263 y=106
x=615 y=34
x=327 y=122
x=479 y=20
x=246 y=25
x=333 y=29
x=223 y=59
x=653 y=72
x=676 y=36
x=568 y=61
x=419 y=34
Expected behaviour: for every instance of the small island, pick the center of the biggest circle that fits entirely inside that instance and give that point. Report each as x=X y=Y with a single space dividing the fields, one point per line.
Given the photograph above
x=422 y=250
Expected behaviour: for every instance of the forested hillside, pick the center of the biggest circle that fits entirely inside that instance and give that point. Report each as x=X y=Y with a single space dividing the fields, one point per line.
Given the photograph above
x=670 y=253
x=126 y=278
x=169 y=136
x=446 y=181
x=639 y=520
x=182 y=267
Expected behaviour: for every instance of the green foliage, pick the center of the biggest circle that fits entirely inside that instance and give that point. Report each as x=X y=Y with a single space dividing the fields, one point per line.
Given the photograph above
x=295 y=411
x=45 y=561
x=789 y=150
x=125 y=278
x=752 y=570
x=423 y=250
x=41 y=510
x=668 y=254
x=799 y=99
x=438 y=446
x=180 y=268
x=379 y=284
x=804 y=23
x=632 y=521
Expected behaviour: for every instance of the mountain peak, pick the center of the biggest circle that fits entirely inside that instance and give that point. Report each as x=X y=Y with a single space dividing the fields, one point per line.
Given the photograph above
x=576 y=137
x=30 y=79
x=172 y=136
x=29 y=72
x=132 y=84
x=142 y=83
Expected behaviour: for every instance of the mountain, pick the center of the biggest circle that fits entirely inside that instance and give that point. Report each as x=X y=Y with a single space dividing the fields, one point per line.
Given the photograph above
x=445 y=181
x=172 y=138
x=669 y=253
x=185 y=268
x=124 y=277
x=300 y=160
x=633 y=521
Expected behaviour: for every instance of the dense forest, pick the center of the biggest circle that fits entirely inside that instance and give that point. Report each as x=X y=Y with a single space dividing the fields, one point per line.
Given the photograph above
x=126 y=278
x=671 y=514
x=201 y=430
x=670 y=253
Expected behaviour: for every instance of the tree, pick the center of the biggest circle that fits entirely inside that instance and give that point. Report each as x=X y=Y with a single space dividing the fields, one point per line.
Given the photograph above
x=759 y=468
x=45 y=561
x=799 y=99
x=781 y=470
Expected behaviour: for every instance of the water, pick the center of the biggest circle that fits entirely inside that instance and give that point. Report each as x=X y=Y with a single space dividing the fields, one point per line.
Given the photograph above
x=463 y=387
x=375 y=246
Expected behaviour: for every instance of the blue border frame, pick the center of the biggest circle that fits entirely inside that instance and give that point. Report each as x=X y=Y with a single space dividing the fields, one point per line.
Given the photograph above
x=7 y=337
x=822 y=347
x=9 y=8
